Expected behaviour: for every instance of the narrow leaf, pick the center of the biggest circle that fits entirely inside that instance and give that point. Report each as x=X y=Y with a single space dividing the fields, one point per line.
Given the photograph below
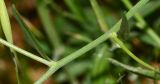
x=6 y=27
x=29 y=36
x=99 y=15
x=47 y=23
x=76 y=9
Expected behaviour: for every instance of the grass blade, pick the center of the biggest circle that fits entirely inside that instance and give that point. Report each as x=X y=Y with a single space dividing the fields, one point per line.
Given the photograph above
x=49 y=29
x=47 y=23
x=30 y=37
x=6 y=27
x=99 y=15
x=75 y=9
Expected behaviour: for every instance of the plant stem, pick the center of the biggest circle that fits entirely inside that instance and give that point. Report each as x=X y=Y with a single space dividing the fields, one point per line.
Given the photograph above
x=142 y=23
x=73 y=56
x=103 y=25
x=99 y=15
x=91 y=45
x=30 y=55
x=4 y=18
x=120 y=43
x=137 y=70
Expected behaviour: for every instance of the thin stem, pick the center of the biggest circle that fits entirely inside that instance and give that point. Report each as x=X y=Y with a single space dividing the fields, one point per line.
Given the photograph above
x=30 y=55
x=120 y=43
x=73 y=56
x=103 y=25
x=137 y=70
x=5 y=22
x=51 y=70
x=89 y=46
x=16 y=62
x=99 y=15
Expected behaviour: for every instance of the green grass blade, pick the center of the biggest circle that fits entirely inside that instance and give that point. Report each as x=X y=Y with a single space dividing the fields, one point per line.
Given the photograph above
x=121 y=44
x=50 y=30
x=99 y=15
x=6 y=27
x=30 y=37
x=76 y=9
x=48 y=25
x=33 y=29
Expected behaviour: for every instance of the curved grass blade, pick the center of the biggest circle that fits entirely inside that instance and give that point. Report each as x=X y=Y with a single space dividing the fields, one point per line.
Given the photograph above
x=29 y=36
x=6 y=28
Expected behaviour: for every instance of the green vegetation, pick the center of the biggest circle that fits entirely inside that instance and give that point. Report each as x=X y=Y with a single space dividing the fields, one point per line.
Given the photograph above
x=81 y=43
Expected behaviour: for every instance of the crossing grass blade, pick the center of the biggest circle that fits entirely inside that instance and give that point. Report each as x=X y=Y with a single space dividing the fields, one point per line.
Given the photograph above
x=31 y=39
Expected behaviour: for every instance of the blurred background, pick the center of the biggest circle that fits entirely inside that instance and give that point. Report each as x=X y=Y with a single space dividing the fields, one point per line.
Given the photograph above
x=64 y=26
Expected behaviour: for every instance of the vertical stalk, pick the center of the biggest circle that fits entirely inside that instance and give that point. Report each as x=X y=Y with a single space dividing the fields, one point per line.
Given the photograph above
x=99 y=15
x=120 y=43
